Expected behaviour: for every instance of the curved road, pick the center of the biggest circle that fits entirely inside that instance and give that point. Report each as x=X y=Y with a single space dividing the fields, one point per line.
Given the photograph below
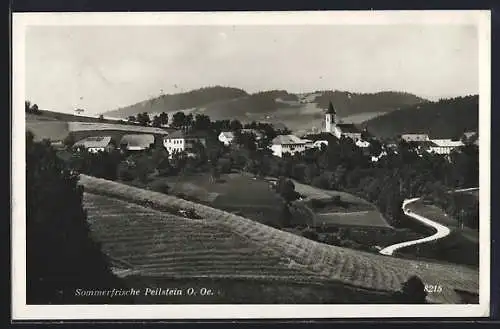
x=441 y=230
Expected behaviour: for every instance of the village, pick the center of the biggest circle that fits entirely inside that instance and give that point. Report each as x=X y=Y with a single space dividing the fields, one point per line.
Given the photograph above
x=177 y=141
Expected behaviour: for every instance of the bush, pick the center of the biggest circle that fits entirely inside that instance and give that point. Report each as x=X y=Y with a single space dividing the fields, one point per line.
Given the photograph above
x=310 y=234
x=61 y=256
x=125 y=172
x=412 y=292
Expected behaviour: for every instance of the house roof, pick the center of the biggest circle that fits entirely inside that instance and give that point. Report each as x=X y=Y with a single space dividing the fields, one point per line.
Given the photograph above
x=362 y=143
x=320 y=136
x=227 y=134
x=349 y=128
x=94 y=141
x=425 y=144
x=414 y=137
x=469 y=133
x=287 y=139
x=447 y=143
x=137 y=141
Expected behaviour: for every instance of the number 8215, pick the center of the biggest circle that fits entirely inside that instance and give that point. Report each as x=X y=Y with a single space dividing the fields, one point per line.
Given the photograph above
x=433 y=288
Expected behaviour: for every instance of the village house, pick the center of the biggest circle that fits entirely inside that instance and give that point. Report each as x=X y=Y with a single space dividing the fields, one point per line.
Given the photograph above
x=415 y=137
x=137 y=142
x=444 y=146
x=289 y=144
x=258 y=134
x=181 y=141
x=226 y=137
x=319 y=144
x=469 y=134
x=340 y=130
x=94 y=144
x=362 y=144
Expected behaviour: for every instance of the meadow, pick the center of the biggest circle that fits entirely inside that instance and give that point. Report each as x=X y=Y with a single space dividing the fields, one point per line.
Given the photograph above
x=135 y=233
x=336 y=208
x=236 y=193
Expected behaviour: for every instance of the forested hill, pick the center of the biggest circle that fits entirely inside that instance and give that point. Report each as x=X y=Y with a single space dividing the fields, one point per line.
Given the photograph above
x=173 y=102
x=297 y=111
x=446 y=118
x=348 y=103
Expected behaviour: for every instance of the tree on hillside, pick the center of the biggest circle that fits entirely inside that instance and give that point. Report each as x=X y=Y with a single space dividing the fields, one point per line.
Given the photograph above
x=202 y=122
x=163 y=118
x=286 y=188
x=235 y=125
x=156 y=121
x=31 y=108
x=101 y=117
x=246 y=140
x=179 y=120
x=189 y=121
x=143 y=119
x=61 y=256
x=132 y=118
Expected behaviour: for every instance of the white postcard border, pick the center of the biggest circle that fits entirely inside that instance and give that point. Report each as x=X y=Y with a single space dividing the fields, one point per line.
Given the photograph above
x=21 y=311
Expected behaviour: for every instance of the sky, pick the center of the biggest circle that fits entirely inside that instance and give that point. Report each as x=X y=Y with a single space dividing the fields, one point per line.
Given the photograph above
x=101 y=68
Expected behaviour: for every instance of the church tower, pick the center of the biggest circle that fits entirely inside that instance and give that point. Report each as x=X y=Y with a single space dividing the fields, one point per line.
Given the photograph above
x=330 y=118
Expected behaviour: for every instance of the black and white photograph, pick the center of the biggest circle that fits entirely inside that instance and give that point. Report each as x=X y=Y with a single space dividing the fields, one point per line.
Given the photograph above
x=251 y=165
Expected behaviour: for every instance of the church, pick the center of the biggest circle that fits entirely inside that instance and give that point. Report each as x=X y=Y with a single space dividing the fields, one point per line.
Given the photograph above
x=332 y=126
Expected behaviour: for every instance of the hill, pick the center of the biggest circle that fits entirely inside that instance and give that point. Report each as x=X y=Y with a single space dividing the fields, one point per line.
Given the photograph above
x=267 y=253
x=181 y=101
x=297 y=111
x=446 y=118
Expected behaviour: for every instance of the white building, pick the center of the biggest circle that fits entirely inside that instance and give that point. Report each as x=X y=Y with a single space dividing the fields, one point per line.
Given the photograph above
x=339 y=130
x=361 y=143
x=415 y=137
x=289 y=144
x=137 y=142
x=226 y=137
x=180 y=141
x=444 y=146
x=319 y=143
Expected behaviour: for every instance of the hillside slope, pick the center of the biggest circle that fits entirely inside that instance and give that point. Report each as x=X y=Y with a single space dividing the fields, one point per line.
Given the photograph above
x=443 y=119
x=297 y=111
x=181 y=101
x=321 y=261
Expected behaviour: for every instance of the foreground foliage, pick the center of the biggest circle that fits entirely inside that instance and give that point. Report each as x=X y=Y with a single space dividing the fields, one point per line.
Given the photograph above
x=61 y=256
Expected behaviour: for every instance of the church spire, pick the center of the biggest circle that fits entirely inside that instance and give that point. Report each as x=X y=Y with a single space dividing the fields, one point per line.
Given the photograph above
x=331 y=109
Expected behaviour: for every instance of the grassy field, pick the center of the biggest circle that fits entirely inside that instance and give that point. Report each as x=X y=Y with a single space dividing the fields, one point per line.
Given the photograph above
x=48 y=129
x=354 y=212
x=233 y=193
x=293 y=256
x=164 y=250
x=57 y=126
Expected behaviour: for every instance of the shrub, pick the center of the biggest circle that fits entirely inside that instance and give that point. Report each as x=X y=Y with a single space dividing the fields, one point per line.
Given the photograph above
x=60 y=254
x=125 y=172
x=412 y=291
x=310 y=234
